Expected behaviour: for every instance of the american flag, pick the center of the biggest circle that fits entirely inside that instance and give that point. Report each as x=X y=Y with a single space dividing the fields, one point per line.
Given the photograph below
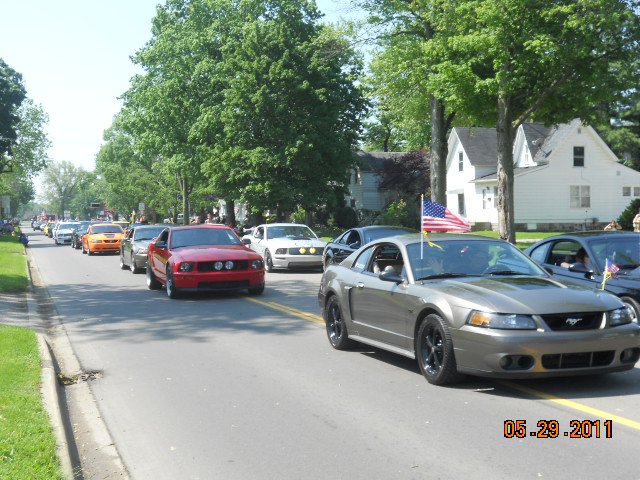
x=610 y=267
x=438 y=218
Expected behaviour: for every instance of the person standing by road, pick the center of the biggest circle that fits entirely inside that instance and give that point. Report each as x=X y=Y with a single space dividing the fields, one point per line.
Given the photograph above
x=636 y=222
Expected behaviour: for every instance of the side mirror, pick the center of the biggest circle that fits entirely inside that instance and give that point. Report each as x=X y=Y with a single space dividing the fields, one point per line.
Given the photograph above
x=161 y=244
x=246 y=241
x=390 y=276
x=354 y=245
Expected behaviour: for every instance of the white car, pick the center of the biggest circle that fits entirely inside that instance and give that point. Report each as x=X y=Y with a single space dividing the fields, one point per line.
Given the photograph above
x=286 y=245
x=63 y=232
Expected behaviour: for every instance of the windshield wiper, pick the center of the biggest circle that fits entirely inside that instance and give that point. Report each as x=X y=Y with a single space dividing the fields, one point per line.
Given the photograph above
x=445 y=275
x=505 y=272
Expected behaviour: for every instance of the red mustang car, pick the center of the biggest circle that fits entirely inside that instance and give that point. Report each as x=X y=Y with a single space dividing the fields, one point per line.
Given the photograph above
x=198 y=258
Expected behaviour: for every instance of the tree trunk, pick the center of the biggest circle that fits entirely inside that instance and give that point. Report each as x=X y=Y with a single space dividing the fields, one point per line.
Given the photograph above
x=184 y=188
x=231 y=212
x=439 y=150
x=506 y=221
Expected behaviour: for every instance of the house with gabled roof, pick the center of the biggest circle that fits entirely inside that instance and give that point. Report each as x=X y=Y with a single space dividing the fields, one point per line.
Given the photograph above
x=565 y=177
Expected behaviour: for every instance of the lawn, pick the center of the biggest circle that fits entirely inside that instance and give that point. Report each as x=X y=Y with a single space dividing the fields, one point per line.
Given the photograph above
x=13 y=265
x=27 y=443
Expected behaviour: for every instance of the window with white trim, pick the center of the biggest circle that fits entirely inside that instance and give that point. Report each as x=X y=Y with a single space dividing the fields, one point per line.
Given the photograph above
x=580 y=196
x=636 y=191
x=460 y=161
x=626 y=191
x=495 y=197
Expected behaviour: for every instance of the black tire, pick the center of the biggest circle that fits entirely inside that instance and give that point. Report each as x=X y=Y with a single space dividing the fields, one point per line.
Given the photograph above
x=89 y=252
x=83 y=250
x=268 y=262
x=634 y=305
x=172 y=290
x=152 y=281
x=256 y=290
x=123 y=266
x=434 y=352
x=336 y=327
x=133 y=266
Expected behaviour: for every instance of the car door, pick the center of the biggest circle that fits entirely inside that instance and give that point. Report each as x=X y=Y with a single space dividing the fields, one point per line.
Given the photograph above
x=160 y=256
x=259 y=240
x=349 y=243
x=378 y=306
x=560 y=255
x=126 y=244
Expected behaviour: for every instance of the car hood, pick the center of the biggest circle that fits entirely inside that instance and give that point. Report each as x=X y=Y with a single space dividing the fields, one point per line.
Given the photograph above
x=524 y=295
x=207 y=253
x=290 y=243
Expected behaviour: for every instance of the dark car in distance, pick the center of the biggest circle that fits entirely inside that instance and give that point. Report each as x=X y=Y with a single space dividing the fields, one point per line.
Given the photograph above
x=348 y=242
x=133 y=249
x=76 y=236
x=558 y=255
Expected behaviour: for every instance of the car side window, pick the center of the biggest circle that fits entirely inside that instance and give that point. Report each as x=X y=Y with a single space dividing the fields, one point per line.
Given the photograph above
x=259 y=232
x=164 y=236
x=387 y=257
x=343 y=238
x=563 y=253
x=353 y=237
x=130 y=234
x=540 y=253
x=363 y=259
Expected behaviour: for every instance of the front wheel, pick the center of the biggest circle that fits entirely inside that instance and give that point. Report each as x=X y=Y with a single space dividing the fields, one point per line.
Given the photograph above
x=152 y=281
x=83 y=250
x=133 y=266
x=89 y=250
x=268 y=262
x=634 y=306
x=336 y=325
x=123 y=266
x=172 y=290
x=434 y=352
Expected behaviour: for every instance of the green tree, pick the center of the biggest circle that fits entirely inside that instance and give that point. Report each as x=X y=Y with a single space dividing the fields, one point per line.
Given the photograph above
x=12 y=94
x=556 y=64
x=282 y=136
x=60 y=184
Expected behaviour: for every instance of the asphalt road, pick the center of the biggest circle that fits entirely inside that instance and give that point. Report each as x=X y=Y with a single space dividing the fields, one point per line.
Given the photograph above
x=238 y=387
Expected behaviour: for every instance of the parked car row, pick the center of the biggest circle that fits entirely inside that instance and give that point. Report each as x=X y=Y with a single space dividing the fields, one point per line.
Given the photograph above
x=458 y=304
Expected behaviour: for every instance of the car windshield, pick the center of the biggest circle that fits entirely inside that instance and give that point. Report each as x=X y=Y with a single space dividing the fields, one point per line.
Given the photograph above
x=375 y=234
x=292 y=232
x=463 y=257
x=67 y=226
x=623 y=251
x=147 y=233
x=203 y=236
x=106 y=229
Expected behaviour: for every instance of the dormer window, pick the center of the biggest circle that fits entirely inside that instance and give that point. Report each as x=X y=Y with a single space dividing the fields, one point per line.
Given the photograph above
x=460 y=161
x=578 y=156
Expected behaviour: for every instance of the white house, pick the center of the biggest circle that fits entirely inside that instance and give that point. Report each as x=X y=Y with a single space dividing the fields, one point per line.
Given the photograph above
x=364 y=180
x=565 y=177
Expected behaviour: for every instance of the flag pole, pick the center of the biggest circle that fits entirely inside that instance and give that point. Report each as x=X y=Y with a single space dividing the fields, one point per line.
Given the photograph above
x=421 y=226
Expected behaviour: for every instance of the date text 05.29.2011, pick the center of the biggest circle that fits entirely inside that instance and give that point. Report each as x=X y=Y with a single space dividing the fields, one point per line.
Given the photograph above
x=551 y=429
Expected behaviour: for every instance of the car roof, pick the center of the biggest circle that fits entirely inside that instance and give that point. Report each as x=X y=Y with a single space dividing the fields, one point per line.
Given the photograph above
x=409 y=238
x=200 y=225
x=591 y=234
x=283 y=225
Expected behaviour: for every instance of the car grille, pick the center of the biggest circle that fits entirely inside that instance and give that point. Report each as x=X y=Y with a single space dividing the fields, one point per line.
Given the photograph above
x=237 y=265
x=577 y=360
x=110 y=241
x=296 y=251
x=573 y=321
x=233 y=285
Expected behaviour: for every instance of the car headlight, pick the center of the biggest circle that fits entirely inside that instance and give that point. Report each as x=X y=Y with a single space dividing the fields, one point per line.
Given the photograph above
x=228 y=265
x=256 y=264
x=140 y=250
x=501 y=321
x=281 y=251
x=95 y=240
x=185 y=267
x=218 y=265
x=620 y=316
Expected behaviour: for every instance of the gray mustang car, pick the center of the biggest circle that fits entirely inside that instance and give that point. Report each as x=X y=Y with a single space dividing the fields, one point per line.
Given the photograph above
x=465 y=304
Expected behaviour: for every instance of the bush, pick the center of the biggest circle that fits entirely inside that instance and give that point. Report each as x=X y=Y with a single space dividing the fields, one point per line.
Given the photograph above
x=299 y=216
x=402 y=214
x=346 y=217
x=626 y=217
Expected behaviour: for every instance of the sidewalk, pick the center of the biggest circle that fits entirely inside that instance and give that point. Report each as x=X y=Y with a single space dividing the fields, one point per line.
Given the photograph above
x=84 y=445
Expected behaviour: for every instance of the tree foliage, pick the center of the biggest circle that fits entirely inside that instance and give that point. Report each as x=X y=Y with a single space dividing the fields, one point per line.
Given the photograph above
x=60 y=183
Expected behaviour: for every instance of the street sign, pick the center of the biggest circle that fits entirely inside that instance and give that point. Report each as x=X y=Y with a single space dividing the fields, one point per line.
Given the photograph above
x=141 y=207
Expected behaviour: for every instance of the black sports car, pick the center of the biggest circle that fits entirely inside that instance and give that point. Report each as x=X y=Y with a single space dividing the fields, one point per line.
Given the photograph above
x=76 y=236
x=348 y=242
x=622 y=249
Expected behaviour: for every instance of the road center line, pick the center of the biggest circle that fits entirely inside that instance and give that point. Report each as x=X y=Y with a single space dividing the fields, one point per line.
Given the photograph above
x=535 y=393
x=573 y=405
x=290 y=310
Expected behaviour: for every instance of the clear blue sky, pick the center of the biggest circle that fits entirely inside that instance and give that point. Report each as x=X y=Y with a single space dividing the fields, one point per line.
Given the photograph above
x=74 y=59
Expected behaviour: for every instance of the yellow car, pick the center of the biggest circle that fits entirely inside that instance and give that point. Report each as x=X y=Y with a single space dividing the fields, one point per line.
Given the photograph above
x=102 y=237
x=47 y=230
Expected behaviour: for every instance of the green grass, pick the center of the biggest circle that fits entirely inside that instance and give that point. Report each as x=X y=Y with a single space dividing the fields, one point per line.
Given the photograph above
x=27 y=443
x=13 y=265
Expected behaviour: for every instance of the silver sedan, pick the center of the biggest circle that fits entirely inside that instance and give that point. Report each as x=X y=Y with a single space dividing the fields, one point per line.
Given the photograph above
x=466 y=304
